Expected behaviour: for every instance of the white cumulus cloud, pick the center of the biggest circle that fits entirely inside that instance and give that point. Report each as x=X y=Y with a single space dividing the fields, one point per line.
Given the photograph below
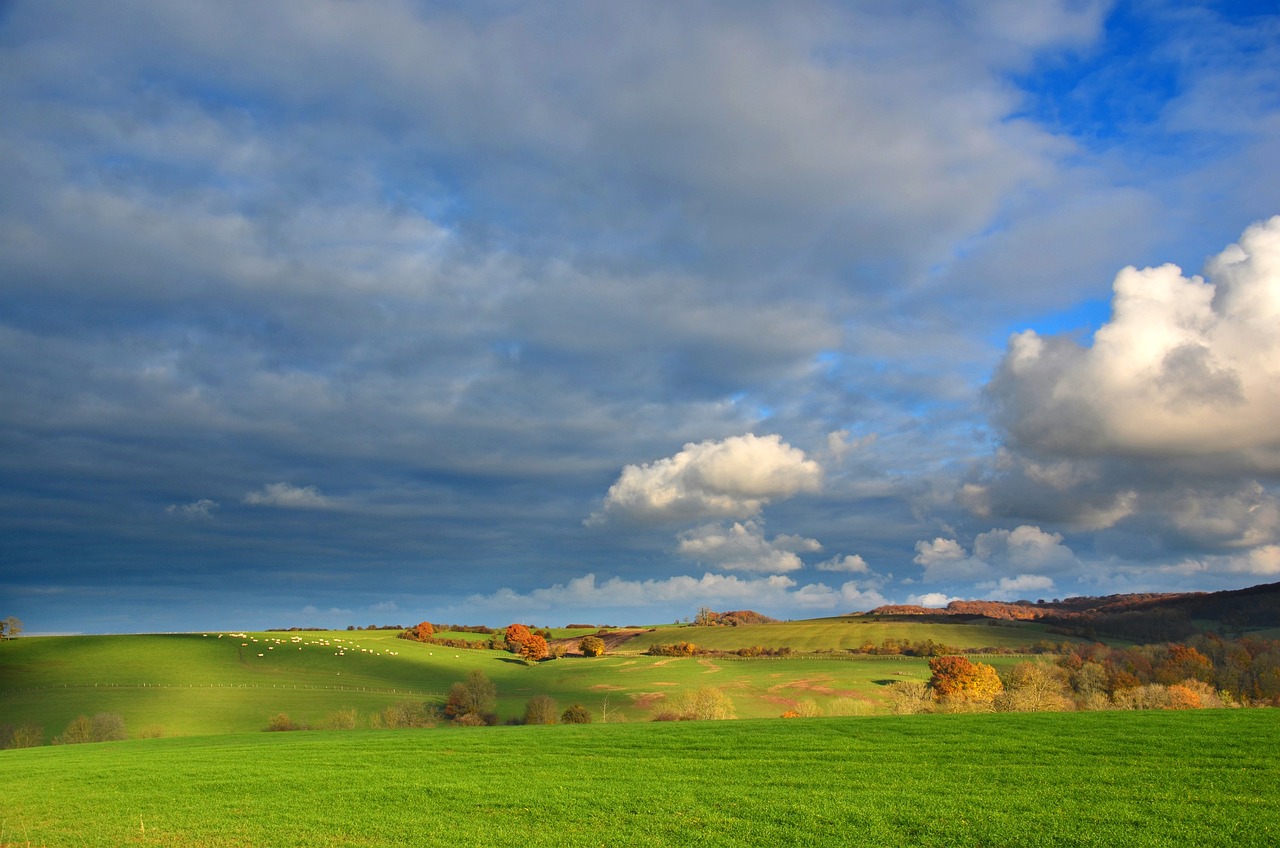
x=853 y=564
x=1024 y=549
x=1186 y=367
x=1015 y=588
x=772 y=594
x=931 y=599
x=743 y=547
x=733 y=478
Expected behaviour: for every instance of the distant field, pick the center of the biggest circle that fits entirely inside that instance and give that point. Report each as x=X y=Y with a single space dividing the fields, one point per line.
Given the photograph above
x=1202 y=778
x=182 y=685
x=850 y=633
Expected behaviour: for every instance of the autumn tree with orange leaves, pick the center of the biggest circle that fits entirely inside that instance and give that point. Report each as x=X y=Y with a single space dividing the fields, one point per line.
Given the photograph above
x=530 y=647
x=960 y=681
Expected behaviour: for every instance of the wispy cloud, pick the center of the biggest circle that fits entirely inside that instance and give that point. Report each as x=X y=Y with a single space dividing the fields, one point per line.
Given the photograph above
x=288 y=496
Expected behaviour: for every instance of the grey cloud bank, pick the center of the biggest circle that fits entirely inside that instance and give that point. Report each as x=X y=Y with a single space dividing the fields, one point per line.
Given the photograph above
x=330 y=313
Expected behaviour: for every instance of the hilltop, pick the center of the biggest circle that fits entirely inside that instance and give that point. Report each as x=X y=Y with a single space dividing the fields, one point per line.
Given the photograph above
x=1149 y=616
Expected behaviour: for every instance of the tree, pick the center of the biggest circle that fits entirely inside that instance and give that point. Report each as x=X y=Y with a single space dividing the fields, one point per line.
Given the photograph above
x=424 y=631
x=515 y=636
x=1034 y=687
x=541 y=709
x=475 y=696
x=103 y=727
x=960 y=681
x=79 y=730
x=591 y=646
x=706 y=617
x=23 y=736
x=10 y=628
x=533 y=649
x=908 y=697
x=577 y=714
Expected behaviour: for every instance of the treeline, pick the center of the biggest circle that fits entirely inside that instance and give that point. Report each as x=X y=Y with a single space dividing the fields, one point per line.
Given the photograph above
x=886 y=648
x=531 y=645
x=100 y=727
x=470 y=703
x=1206 y=671
x=688 y=649
x=1246 y=670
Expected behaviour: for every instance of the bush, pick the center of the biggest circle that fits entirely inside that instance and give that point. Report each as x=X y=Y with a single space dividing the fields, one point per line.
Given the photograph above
x=103 y=727
x=281 y=722
x=80 y=730
x=108 y=727
x=476 y=720
x=591 y=646
x=405 y=714
x=22 y=736
x=849 y=707
x=541 y=709
x=577 y=714
x=679 y=649
x=476 y=695
x=909 y=697
x=1152 y=696
x=343 y=719
x=707 y=704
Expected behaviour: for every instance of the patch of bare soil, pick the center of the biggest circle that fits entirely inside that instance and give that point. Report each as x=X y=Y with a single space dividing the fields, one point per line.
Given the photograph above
x=611 y=638
x=817 y=685
x=644 y=700
x=605 y=687
x=711 y=667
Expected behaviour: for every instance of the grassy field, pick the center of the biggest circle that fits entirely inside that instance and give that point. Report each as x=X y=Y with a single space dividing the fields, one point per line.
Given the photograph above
x=850 y=632
x=180 y=685
x=1203 y=778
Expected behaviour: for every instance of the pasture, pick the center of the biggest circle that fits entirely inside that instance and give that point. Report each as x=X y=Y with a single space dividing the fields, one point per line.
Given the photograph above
x=1205 y=778
x=194 y=684
x=844 y=633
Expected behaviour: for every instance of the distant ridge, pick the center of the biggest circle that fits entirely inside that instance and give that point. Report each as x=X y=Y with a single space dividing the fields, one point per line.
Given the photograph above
x=1163 y=615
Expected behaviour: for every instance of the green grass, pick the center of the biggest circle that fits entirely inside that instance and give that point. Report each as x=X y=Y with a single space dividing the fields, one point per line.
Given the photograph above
x=850 y=632
x=1203 y=778
x=194 y=684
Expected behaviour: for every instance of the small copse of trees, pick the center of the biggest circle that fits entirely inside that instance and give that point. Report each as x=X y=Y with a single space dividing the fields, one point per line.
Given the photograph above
x=529 y=646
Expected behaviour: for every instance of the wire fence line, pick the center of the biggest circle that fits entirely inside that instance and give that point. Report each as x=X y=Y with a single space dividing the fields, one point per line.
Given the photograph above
x=277 y=686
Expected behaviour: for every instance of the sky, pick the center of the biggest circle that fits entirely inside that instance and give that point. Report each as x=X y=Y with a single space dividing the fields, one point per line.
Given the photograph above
x=352 y=312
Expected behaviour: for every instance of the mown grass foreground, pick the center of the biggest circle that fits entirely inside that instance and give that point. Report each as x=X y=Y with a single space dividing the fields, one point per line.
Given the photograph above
x=1108 y=779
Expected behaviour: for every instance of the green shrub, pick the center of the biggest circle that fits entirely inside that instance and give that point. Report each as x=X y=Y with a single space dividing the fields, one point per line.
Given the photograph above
x=577 y=714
